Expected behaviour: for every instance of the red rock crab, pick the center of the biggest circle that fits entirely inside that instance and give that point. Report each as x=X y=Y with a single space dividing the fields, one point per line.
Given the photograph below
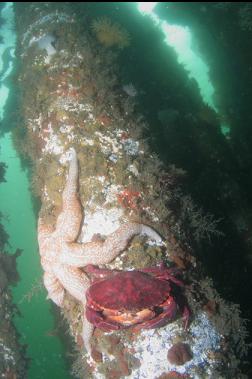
x=141 y=298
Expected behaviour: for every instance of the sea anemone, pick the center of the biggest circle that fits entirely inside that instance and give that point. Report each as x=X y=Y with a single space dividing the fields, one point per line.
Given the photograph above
x=109 y=33
x=179 y=354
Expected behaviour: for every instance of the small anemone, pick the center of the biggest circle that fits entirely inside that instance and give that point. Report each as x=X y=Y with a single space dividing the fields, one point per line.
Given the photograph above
x=179 y=354
x=109 y=33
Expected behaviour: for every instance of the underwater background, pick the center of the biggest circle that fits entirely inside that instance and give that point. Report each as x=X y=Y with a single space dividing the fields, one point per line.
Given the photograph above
x=182 y=71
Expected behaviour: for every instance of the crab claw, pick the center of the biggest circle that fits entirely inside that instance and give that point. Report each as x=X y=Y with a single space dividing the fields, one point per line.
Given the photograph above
x=169 y=312
x=98 y=320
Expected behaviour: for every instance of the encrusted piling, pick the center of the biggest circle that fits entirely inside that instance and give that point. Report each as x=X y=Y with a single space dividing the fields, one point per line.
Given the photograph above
x=71 y=97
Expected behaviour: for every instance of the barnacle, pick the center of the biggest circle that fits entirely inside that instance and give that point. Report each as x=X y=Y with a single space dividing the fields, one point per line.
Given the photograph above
x=109 y=33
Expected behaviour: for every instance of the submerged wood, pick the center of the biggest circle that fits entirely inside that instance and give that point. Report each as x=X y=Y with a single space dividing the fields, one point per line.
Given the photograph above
x=75 y=100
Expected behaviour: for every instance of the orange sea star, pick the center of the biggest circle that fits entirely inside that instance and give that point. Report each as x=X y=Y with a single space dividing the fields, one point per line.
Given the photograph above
x=62 y=257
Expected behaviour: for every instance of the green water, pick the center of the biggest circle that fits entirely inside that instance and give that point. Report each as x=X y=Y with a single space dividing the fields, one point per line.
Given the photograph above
x=36 y=320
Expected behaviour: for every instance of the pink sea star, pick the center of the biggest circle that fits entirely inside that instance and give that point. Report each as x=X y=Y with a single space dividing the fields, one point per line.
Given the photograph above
x=62 y=257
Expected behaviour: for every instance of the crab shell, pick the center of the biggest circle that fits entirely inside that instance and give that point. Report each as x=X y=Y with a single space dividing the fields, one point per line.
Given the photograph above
x=141 y=298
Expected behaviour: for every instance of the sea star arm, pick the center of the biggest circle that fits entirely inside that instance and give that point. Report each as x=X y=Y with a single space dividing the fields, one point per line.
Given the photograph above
x=73 y=280
x=44 y=231
x=87 y=331
x=69 y=220
x=77 y=283
x=54 y=288
x=80 y=255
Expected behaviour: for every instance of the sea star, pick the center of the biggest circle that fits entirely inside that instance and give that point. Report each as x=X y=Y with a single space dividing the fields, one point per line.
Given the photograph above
x=62 y=256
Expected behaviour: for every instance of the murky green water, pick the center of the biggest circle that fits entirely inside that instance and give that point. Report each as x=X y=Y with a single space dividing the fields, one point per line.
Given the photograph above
x=37 y=320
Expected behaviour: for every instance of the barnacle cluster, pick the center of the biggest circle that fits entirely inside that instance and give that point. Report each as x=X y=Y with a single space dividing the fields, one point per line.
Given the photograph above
x=109 y=33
